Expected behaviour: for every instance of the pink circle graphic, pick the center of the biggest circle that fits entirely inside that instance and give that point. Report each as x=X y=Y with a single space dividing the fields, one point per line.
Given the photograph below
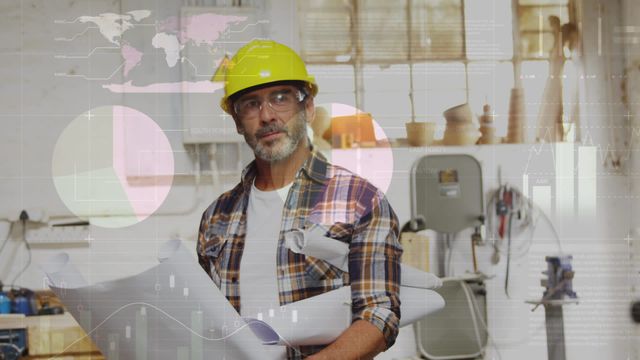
x=372 y=160
x=113 y=165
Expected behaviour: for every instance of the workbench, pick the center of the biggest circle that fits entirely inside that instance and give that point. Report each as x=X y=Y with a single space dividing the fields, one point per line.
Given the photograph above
x=53 y=335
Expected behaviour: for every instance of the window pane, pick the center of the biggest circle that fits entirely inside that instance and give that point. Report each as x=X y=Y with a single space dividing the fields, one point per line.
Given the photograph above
x=391 y=109
x=438 y=86
x=386 y=78
x=325 y=30
x=544 y=2
x=536 y=46
x=488 y=29
x=536 y=18
x=536 y=34
x=333 y=78
x=431 y=104
x=348 y=98
x=534 y=77
x=383 y=30
x=491 y=83
x=438 y=76
x=335 y=83
x=386 y=97
x=437 y=29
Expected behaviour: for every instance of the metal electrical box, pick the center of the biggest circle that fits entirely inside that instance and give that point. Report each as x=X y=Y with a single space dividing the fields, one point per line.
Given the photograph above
x=446 y=190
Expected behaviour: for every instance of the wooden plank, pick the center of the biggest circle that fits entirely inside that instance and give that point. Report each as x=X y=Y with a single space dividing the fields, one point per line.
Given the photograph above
x=57 y=334
x=416 y=250
x=13 y=321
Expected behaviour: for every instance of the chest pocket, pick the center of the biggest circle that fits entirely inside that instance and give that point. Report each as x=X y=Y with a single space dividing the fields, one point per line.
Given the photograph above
x=319 y=273
x=213 y=252
x=322 y=273
x=341 y=231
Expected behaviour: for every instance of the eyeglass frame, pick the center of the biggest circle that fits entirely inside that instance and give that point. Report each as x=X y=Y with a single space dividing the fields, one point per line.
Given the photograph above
x=301 y=95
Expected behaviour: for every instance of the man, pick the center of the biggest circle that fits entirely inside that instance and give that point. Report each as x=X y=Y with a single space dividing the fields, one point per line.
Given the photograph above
x=288 y=186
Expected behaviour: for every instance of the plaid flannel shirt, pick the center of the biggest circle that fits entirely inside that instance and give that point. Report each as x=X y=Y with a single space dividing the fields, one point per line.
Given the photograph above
x=350 y=208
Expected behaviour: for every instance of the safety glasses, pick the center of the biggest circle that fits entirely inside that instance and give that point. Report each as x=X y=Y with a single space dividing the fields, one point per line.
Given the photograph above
x=281 y=100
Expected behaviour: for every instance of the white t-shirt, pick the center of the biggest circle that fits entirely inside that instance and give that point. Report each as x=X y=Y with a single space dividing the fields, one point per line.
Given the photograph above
x=258 y=267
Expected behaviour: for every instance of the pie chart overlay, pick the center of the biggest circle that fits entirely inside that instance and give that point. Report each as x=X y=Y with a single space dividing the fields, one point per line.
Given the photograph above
x=113 y=166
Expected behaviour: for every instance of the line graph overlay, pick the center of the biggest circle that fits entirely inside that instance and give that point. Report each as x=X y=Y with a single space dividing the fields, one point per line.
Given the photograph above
x=141 y=324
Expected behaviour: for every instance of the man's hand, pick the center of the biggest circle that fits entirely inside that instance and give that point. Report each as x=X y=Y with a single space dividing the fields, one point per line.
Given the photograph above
x=362 y=340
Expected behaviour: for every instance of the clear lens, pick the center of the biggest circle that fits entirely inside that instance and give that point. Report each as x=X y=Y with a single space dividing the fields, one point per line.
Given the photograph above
x=280 y=101
x=246 y=106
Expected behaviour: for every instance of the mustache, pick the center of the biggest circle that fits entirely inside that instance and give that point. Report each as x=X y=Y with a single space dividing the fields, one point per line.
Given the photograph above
x=269 y=129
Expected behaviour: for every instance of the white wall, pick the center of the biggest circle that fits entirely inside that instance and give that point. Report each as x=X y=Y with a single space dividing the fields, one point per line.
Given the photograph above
x=632 y=64
x=35 y=107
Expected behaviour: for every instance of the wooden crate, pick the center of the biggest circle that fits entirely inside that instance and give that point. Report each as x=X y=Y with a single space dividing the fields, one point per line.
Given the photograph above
x=416 y=250
x=57 y=334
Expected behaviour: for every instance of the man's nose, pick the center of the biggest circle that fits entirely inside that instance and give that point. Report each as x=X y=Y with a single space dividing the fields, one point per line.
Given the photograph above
x=267 y=114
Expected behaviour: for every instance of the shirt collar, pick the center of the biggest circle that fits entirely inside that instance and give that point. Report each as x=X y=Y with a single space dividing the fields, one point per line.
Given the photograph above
x=316 y=167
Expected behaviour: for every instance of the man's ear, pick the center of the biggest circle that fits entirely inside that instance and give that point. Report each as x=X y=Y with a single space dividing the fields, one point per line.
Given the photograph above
x=239 y=127
x=310 y=108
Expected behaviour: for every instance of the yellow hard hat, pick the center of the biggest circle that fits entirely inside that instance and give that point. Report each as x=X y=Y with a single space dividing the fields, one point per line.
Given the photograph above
x=261 y=62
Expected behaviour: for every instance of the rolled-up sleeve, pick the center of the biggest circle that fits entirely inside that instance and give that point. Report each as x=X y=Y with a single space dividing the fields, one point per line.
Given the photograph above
x=374 y=267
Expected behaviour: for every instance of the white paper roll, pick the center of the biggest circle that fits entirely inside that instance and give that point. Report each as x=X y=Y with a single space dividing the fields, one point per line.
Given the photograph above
x=62 y=273
x=312 y=242
x=174 y=304
x=416 y=278
x=322 y=318
x=174 y=252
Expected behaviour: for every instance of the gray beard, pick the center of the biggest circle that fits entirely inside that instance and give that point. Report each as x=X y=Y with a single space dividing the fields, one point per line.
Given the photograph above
x=290 y=142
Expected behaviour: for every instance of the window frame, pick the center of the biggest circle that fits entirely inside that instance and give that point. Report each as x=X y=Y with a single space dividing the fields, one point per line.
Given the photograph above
x=358 y=63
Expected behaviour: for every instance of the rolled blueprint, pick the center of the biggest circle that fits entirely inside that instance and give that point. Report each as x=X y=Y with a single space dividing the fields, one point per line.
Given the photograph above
x=322 y=318
x=313 y=321
x=312 y=242
x=170 y=311
x=416 y=278
x=308 y=322
x=174 y=309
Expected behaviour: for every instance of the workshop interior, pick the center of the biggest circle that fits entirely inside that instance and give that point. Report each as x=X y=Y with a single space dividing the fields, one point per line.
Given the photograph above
x=503 y=133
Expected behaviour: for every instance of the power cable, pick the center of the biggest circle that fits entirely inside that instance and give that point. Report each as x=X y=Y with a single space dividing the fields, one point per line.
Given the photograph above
x=23 y=219
x=6 y=240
